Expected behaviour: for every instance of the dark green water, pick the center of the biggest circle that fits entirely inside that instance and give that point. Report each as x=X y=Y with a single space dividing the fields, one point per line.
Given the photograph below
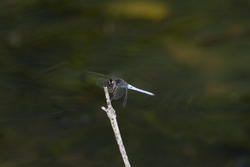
x=194 y=55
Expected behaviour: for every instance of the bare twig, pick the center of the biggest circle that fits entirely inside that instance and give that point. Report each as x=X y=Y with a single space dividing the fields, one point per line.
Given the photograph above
x=112 y=117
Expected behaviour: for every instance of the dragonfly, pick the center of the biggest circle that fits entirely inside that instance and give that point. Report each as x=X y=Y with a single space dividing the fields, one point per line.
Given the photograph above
x=117 y=86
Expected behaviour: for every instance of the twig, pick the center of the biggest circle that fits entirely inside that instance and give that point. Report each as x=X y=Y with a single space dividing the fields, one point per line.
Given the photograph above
x=112 y=117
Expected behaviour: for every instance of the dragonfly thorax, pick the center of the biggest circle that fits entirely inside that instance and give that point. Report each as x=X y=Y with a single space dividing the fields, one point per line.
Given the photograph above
x=120 y=83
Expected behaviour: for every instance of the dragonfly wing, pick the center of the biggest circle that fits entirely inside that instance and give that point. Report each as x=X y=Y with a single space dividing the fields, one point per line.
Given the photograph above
x=95 y=74
x=118 y=93
x=100 y=80
x=125 y=97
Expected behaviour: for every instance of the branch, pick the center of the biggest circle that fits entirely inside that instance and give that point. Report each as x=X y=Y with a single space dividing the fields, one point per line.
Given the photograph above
x=112 y=117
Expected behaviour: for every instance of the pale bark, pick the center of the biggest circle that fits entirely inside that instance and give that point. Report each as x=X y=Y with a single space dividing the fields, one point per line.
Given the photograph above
x=112 y=117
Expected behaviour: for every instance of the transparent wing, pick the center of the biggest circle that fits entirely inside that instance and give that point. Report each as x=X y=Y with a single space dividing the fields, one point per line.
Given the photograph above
x=101 y=82
x=100 y=79
x=125 y=97
x=118 y=93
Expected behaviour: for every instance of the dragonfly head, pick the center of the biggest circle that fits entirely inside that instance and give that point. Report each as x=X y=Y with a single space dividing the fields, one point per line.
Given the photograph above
x=110 y=83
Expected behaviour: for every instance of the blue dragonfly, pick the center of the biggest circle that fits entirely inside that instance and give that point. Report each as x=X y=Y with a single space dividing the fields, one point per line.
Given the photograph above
x=117 y=86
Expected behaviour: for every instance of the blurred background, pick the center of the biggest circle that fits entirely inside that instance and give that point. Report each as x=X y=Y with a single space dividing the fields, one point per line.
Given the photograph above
x=194 y=55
